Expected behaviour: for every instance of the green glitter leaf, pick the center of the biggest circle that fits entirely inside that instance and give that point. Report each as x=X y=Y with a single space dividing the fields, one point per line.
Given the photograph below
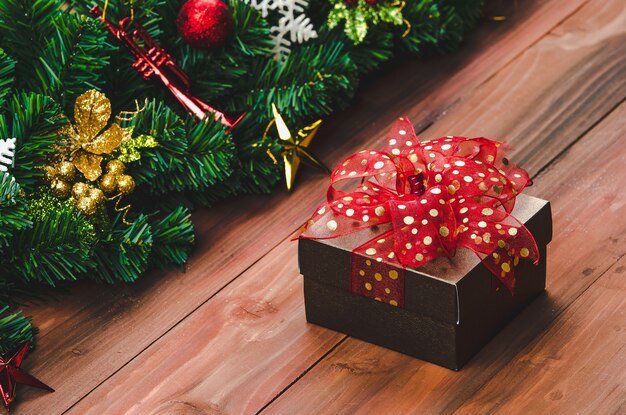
x=129 y=150
x=360 y=16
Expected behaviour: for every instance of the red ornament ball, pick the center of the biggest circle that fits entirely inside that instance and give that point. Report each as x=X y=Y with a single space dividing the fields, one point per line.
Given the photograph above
x=205 y=24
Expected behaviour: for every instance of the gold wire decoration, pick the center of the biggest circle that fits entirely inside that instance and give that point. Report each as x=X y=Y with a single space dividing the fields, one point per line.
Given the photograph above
x=106 y=5
x=500 y=17
x=265 y=133
x=401 y=5
x=408 y=28
x=104 y=8
x=124 y=209
x=131 y=115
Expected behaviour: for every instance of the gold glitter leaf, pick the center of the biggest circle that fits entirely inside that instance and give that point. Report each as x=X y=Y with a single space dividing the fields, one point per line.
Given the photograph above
x=68 y=131
x=88 y=164
x=92 y=111
x=108 y=141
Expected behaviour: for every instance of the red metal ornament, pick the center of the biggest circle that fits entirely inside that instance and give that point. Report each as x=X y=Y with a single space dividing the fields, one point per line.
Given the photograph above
x=11 y=375
x=153 y=60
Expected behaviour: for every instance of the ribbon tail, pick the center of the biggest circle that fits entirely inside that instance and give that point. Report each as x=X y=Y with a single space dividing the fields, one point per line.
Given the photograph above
x=379 y=248
x=501 y=255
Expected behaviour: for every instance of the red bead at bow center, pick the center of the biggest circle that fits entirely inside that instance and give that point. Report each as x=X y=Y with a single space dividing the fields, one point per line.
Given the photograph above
x=416 y=182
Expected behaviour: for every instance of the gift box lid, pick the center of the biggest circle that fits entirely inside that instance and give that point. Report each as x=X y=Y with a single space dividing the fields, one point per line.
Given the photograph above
x=434 y=290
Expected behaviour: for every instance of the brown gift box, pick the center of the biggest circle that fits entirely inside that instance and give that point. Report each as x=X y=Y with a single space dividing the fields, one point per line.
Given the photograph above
x=453 y=306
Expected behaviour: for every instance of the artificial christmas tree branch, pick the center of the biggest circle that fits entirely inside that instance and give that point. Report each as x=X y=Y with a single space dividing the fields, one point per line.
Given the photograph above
x=52 y=52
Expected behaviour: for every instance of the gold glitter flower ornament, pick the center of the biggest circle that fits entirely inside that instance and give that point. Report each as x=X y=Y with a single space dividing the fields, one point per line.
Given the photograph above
x=87 y=140
x=86 y=145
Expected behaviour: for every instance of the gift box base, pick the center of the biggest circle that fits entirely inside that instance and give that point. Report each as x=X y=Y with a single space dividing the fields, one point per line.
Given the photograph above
x=447 y=344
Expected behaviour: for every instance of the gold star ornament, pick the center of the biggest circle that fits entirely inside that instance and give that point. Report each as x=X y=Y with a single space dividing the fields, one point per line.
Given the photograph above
x=295 y=148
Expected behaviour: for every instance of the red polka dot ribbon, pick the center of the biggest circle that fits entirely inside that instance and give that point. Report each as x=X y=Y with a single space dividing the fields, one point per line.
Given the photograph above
x=437 y=195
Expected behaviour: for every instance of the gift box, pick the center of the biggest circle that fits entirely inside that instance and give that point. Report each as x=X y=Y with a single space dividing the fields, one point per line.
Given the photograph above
x=452 y=306
x=386 y=263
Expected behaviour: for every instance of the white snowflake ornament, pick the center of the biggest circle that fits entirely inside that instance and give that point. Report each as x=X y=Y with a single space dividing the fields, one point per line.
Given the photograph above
x=7 y=153
x=264 y=6
x=293 y=25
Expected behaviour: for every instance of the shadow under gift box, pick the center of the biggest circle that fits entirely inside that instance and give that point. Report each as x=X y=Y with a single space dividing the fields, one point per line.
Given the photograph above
x=452 y=306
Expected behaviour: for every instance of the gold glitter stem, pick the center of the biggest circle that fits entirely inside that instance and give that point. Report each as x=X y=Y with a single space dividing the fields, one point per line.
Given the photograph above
x=125 y=209
x=106 y=5
x=131 y=115
x=271 y=156
x=267 y=129
x=408 y=28
x=502 y=17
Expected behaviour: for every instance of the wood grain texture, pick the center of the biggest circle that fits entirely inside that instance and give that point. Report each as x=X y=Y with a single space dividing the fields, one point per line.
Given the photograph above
x=362 y=368
x=93 y=332
x=554 y=92
x=231 y=356
x=361 y=378
x=228 y=356
x=576 y=365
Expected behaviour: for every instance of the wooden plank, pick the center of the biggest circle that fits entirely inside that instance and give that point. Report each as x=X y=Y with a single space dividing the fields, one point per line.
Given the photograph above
x=575 y=74
x=93 y=332
x=577 y=365
x=587 y=181
x=227 y=357
x=227 y=386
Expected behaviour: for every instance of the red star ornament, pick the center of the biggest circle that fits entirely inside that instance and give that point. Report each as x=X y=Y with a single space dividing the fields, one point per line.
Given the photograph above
x=11 y=375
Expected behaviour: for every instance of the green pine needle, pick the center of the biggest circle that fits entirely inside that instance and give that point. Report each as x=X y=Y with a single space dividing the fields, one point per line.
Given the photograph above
x=15 y=330
x=51 y=51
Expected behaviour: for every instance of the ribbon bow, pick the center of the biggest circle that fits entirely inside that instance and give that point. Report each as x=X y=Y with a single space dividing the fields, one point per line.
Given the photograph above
x=437 y=195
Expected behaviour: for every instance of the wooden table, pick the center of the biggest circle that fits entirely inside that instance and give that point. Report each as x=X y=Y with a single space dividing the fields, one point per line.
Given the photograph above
x=230 y=336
